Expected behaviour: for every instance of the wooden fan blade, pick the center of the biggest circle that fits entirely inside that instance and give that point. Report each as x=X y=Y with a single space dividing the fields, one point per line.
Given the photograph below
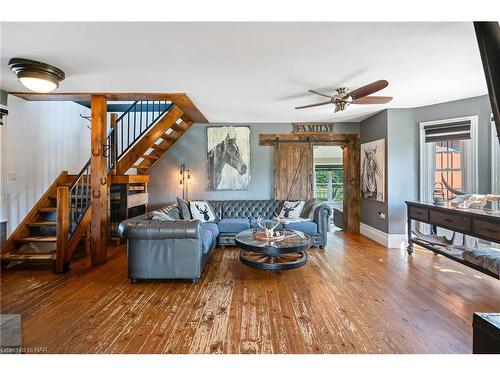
x=313 y=105
x=368 y=89
x=373 y=100
x=318 y=93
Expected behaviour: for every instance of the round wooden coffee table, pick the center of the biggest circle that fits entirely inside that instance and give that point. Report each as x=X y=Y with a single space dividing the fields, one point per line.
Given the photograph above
x=285 y=254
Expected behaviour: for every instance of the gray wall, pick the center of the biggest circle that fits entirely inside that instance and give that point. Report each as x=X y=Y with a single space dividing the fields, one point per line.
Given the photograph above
x=400 y=127
x=191 y=149
x=479 y=105
x=371 y=129
x=402 y=166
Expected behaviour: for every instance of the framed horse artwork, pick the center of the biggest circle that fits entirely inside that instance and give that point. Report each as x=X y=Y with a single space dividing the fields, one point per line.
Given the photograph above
x=228 y=157
x=373 y=170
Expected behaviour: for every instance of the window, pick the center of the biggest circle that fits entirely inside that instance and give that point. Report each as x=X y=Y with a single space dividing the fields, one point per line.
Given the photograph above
x=329 y=183
x=448 y=156
x=448 y=150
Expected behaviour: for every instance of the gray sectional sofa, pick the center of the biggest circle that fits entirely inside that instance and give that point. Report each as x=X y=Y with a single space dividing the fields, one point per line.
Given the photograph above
x=179 y=248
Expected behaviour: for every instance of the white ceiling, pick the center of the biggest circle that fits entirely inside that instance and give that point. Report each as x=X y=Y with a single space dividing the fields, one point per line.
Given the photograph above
x=256 y=72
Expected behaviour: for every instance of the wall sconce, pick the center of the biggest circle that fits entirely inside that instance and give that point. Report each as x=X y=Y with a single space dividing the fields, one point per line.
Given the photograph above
x=184 y=180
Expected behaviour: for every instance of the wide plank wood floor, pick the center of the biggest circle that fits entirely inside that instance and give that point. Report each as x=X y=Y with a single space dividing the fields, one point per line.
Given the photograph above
x=353 y=297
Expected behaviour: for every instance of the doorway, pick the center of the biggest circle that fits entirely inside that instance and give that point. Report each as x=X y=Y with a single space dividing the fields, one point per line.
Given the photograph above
x=329 y=175
x=294 y=169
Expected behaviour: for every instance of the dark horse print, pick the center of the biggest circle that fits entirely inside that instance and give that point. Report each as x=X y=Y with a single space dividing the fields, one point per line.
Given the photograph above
x=226 y=152
x=370 y=171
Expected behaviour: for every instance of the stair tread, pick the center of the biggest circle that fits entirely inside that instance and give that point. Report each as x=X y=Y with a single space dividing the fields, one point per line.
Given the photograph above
x=42 y=224
x=149 y=156
x=37 y=239
x=171 y=136
x=159 y=147
x=18 y=256
x=179 y=127
x=139 y=167
x=47 y=209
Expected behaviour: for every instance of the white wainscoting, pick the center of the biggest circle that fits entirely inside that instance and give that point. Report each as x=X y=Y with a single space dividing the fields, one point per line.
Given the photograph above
x=391 y=241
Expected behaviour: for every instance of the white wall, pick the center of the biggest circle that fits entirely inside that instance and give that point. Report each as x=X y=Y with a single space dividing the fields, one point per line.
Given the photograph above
x=41 y=140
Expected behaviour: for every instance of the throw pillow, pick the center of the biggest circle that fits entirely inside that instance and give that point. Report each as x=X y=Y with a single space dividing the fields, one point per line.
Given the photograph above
x=160 y=216
x=201 y=210
x=183 y=209
x=291 y=209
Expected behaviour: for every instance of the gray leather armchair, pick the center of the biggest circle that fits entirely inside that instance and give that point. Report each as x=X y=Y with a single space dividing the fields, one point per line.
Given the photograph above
x=173 y=249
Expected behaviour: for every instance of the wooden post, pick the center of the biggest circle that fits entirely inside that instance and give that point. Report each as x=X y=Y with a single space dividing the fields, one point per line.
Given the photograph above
x=98 y=181
x=351 y=168
x=62 y=261
x=113 y=151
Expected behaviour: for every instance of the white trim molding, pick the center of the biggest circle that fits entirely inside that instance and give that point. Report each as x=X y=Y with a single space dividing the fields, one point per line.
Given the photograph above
x=495 y=159
x=391 y=241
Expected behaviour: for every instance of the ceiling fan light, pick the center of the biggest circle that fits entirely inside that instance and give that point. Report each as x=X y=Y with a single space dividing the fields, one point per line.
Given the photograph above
x=36 y=76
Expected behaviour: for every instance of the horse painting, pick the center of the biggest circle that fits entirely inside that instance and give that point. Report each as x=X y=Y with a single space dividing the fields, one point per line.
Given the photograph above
x=372 y=170
x=227 y=153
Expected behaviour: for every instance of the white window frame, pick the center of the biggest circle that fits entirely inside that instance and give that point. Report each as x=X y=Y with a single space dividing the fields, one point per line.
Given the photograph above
x=495 y=159
x=470 y=153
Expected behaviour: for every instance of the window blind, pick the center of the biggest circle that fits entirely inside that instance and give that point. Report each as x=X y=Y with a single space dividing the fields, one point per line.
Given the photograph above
x=448 y=132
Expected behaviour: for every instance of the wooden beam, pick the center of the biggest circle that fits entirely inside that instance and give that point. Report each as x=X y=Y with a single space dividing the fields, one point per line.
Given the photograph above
x=140 y=147
x=317 y=138
x=182 y=100
x=129 y=179
x=98 y=181
x=62 y=229
x=351 y=171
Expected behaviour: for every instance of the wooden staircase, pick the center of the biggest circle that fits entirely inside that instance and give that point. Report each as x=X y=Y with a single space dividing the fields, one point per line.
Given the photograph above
x=60 y=221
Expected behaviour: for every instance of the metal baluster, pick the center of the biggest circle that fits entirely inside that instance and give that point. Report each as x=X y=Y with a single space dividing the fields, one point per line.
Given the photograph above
x=81 y=197
x=135 y=110
x=121 y=140
x=142 y=111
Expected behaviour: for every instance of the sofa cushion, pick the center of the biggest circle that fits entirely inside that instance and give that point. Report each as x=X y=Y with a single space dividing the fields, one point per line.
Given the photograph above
x=308 y=227
x=291 y=209
x=201 y=210
x=207 y=241
x=212 y=227
x=233 y=225
x=183 y=209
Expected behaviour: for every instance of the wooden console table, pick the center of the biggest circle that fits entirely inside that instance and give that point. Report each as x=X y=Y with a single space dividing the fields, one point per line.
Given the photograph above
x=480 y=223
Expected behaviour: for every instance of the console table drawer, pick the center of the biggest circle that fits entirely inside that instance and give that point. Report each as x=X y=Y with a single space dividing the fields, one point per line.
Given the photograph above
x=419 y=213
x=486 y=229
x=451 y=221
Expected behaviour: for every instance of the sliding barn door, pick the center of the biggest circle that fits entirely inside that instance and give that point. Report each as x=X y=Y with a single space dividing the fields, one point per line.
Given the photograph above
x=293 y=171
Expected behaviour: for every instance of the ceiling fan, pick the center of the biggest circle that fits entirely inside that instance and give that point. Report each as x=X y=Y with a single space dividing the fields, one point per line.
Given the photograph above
x=344 y=97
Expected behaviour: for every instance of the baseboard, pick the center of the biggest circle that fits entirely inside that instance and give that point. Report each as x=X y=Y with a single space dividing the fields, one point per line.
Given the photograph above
x=387 y=240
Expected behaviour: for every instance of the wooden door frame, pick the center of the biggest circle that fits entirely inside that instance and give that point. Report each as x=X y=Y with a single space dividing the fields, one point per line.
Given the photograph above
x=350 y=166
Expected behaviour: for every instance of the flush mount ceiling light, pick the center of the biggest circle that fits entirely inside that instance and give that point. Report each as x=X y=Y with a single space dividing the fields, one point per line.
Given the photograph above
x=36 y=76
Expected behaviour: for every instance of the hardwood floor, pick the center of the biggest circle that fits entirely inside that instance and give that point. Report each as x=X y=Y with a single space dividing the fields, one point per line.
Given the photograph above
x=353 y=297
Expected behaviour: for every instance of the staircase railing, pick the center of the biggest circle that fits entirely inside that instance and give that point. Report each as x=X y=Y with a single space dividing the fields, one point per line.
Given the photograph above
x=132 y=125
x=79 y=198
x=127 y=130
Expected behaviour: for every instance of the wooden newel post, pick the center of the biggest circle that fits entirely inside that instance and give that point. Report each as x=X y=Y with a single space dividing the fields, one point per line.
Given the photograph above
x=98 y=181
x=352 y=195
x=113 y=151
x=62 y=261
